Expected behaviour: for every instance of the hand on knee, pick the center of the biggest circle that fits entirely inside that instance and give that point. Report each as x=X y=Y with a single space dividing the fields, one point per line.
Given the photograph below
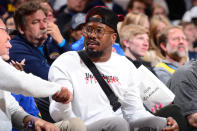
x=192 y=120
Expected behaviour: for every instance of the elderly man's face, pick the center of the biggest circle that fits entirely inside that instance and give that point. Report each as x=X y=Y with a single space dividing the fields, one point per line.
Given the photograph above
x=35 y=28
x=4 y=41
x=177 y=45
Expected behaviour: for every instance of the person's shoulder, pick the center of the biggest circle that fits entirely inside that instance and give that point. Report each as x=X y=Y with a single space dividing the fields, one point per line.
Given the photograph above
x=161 y=66
x=187 y=68
x=69 y=60
x=119 y=57
x=16 y=38
x=18 y=42
x=184 y=73
x=1 y=60
x=69 y=56
x=162 y=70
x=122 y=61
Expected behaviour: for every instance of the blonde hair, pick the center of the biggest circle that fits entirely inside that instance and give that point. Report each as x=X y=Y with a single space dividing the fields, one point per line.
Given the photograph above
x=134 y=18
x=160 y=6
x=130 y=31
x=154 y=23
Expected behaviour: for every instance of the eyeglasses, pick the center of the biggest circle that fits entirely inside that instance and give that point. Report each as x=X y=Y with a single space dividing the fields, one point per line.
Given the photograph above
x=99 y=31
x=6 y=29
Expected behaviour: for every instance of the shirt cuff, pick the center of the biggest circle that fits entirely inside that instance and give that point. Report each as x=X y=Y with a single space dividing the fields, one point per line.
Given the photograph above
x=17 y=119
x=62 y=43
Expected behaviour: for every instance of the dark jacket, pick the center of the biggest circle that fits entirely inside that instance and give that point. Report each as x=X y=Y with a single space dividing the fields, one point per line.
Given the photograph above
x=36 y=63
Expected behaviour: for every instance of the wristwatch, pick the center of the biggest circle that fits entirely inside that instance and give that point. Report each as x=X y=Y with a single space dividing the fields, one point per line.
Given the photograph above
x=30 y=124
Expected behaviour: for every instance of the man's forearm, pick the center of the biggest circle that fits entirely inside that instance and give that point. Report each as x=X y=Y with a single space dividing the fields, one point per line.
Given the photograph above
x=27 y=84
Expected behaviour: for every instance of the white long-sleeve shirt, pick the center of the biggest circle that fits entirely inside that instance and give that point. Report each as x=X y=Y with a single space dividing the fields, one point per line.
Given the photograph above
x=89 y=100
x=19 y=83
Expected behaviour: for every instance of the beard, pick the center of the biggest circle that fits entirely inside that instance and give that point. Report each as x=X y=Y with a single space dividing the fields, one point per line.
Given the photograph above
x=175 y=54
x=93 y=54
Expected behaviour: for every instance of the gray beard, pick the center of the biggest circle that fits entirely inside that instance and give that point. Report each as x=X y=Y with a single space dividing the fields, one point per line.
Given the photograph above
x=176 y=56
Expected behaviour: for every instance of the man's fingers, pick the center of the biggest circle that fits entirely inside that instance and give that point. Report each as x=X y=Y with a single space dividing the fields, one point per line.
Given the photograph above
x=13 y=62
x=19 y=65
x=15 y=65
x=55 y=95
x=67 y=100
x=153 y=110
x=160 y=106
x=23 y=62
x=172 y=125
x=64 y=96
x=38 y=128
x=46 y=128
x=156 y=107
x=67 y=97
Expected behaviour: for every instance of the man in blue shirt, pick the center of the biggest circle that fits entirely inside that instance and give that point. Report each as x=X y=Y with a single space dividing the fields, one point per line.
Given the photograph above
x=39 y=42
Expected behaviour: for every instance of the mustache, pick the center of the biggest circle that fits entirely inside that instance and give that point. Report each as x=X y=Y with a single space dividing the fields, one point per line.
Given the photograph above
x=181 y=46
x=91 y=41
x=41 y=33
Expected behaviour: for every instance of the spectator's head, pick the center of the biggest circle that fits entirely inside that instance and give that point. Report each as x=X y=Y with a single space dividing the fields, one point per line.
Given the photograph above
x=193 y=15
x=157 y=23
x=159 y=10
x=173 y=43
x=73 y=30
x=194 y=2
x=136 y=19
x=9 y=22
x=76 y=5
x=77 y=22
x=4 y=41
x=100 y=32
x=31 y=21
x=136 y=6
x=134 y=40
x=190 y=32
x=45 y=4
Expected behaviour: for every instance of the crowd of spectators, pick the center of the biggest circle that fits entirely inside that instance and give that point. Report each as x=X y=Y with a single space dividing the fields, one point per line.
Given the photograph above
x=160 y=34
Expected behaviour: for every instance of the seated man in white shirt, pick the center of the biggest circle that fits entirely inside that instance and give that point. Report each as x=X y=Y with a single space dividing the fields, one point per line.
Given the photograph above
x=90 y=103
